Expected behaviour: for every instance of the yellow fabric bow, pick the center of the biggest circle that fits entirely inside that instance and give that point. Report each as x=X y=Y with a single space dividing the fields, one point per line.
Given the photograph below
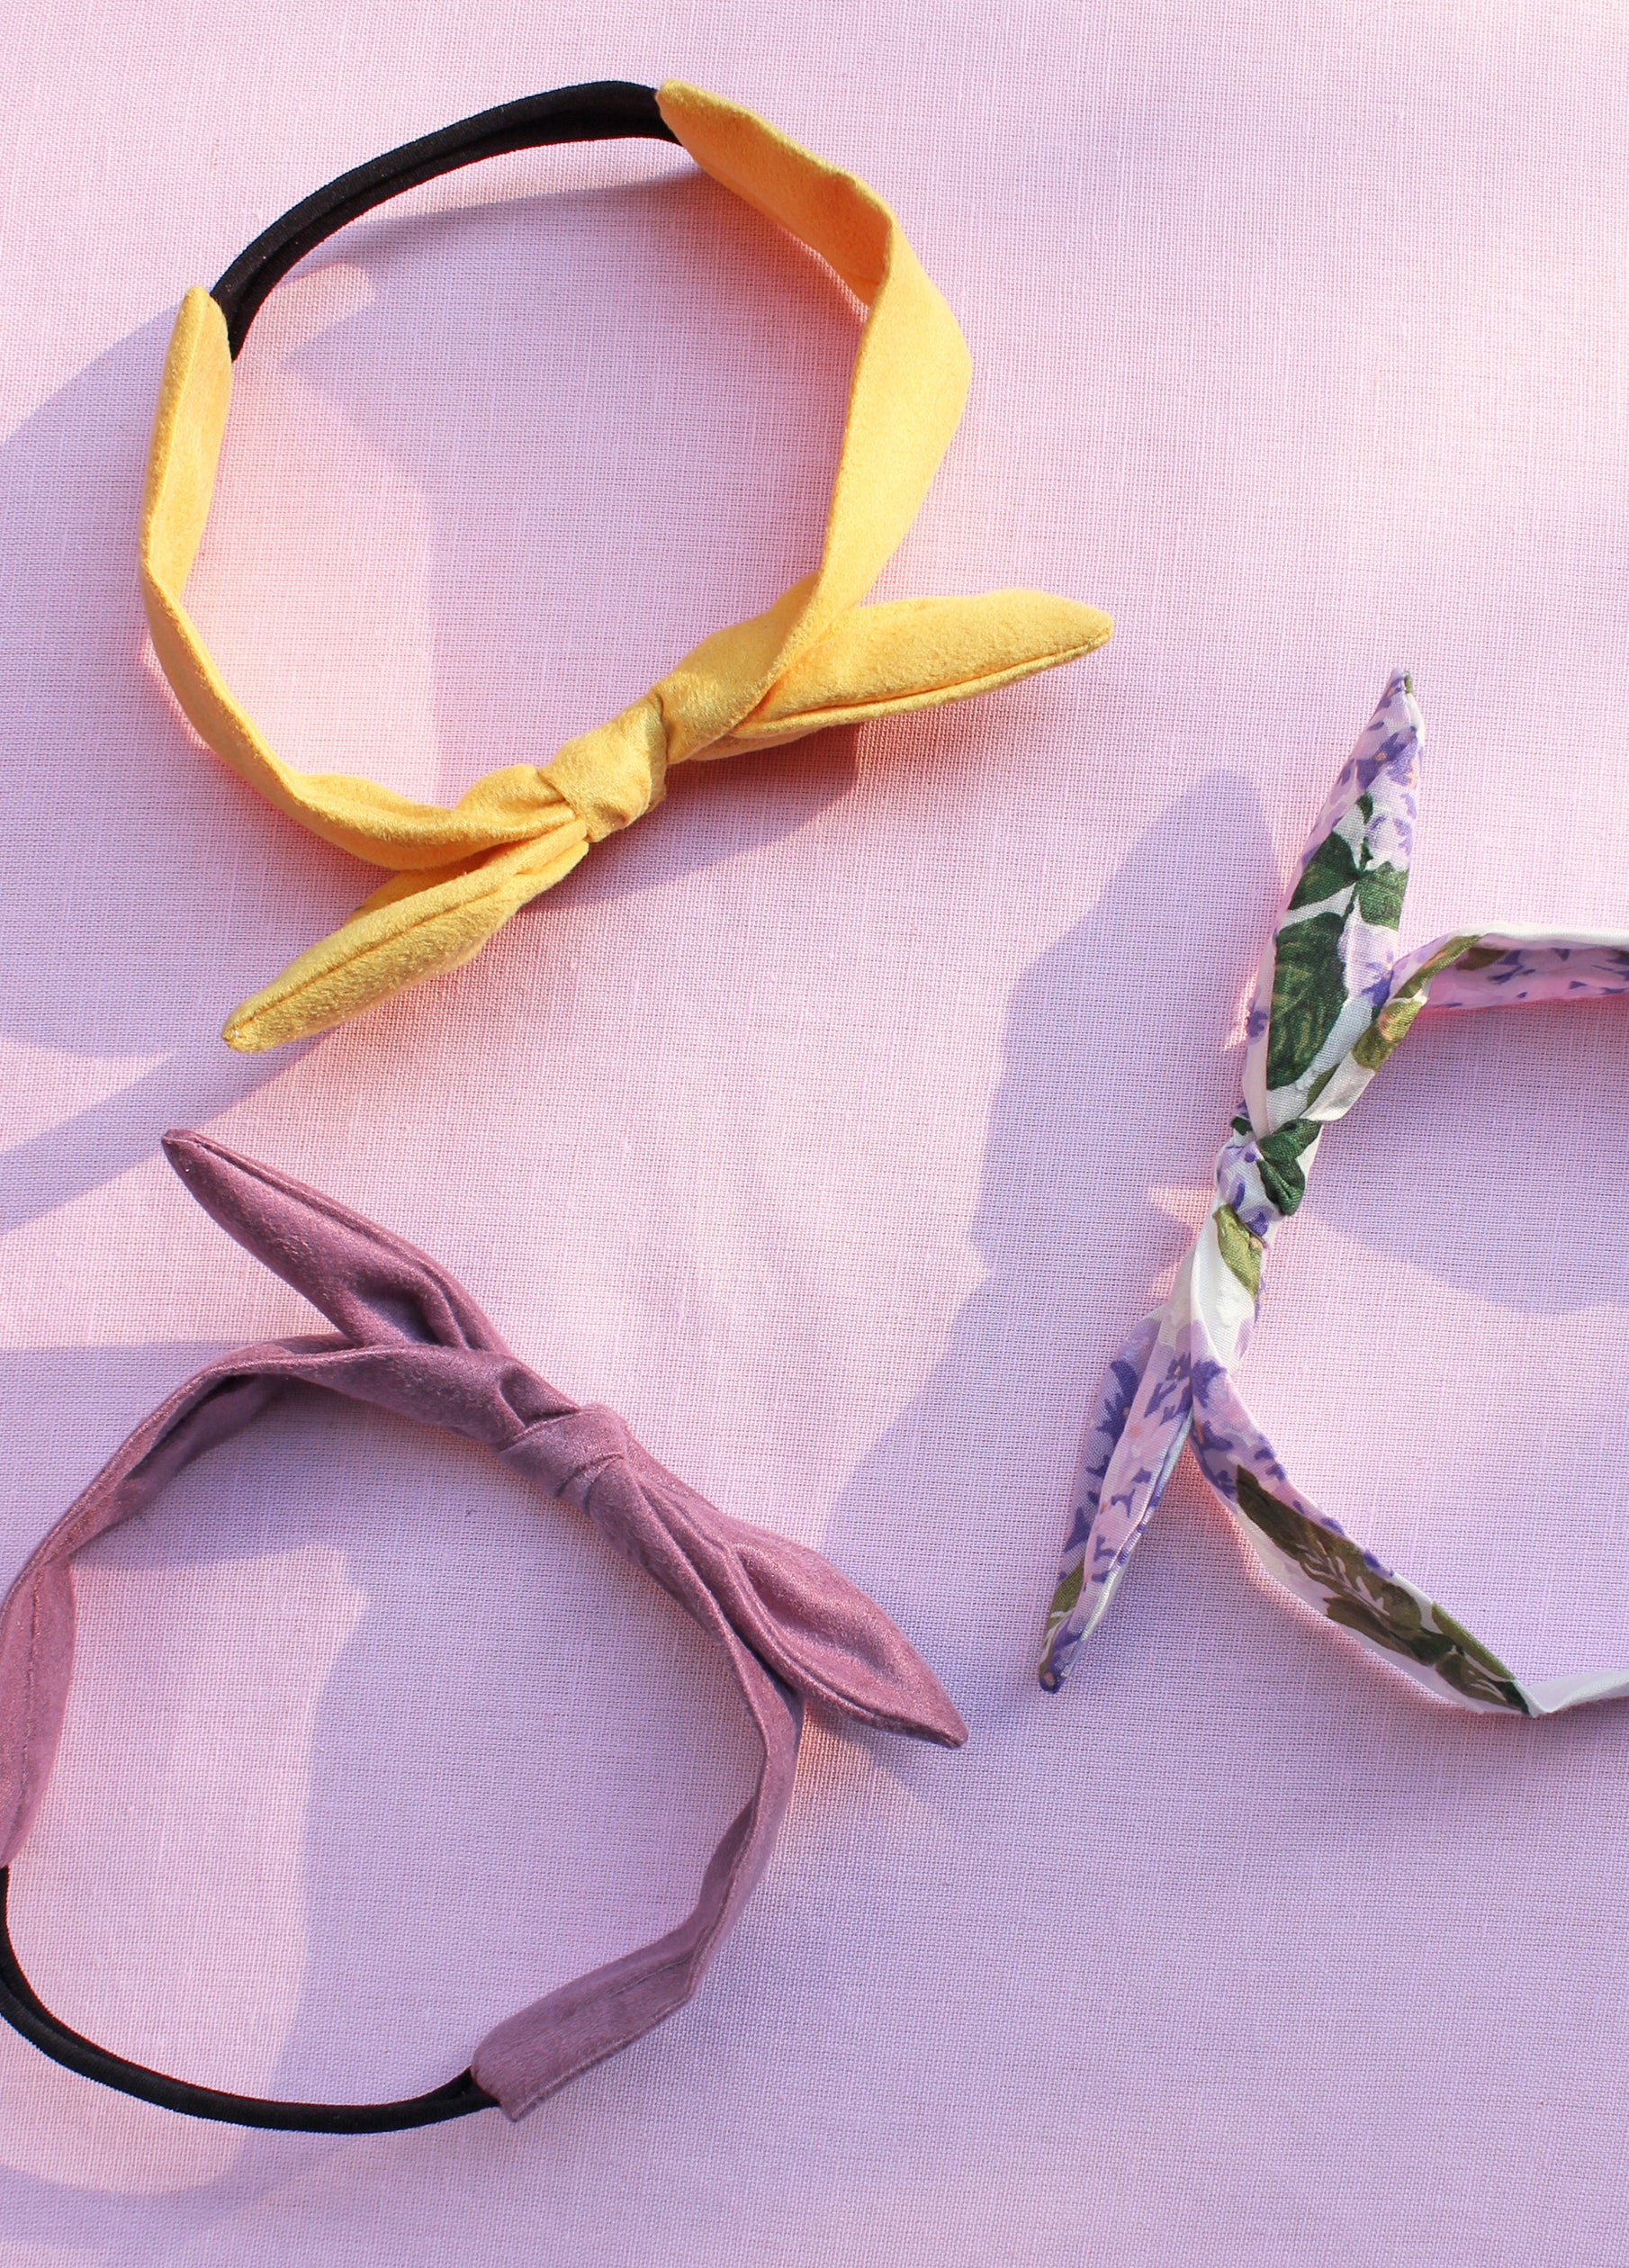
x=816 y=657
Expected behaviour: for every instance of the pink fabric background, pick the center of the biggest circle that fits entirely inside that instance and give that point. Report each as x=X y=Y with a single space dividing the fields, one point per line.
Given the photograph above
x=833 y=1126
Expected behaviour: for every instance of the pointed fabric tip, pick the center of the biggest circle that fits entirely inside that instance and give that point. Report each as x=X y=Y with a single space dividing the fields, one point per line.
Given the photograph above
x=903 y=655
x=801 y=1615
x=378 y=1289
x=415 y=925
x=1332 y=1001
x=1057 y=1657
x=787 y=1624
x=824 y=1635
x=818 y=657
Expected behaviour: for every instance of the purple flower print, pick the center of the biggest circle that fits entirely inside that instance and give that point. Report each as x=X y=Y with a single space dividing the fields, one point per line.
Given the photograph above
x=1330 y=1006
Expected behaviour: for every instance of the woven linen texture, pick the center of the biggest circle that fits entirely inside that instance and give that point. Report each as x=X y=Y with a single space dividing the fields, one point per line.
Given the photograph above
x=835 y=1130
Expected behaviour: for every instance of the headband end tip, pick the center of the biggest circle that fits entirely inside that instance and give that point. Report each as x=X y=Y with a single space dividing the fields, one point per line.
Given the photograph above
x=945 y=1727
x=243 y=1034
x=181 y=1147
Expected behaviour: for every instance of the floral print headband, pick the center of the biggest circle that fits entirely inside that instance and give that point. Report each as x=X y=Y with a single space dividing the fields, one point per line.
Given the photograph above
x=817 y=657
x=1333 y=998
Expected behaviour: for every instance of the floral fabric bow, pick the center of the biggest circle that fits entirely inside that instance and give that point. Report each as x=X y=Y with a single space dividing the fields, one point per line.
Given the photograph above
x=1333 y=998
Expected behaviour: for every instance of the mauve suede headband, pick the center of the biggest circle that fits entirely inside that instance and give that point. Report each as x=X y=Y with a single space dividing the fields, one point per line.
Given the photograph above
x=409 y=1338
x=1333 y=999
x=816 y=657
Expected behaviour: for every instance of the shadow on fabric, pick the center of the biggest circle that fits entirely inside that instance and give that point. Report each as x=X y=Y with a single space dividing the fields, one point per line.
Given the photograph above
x=122 y=828
x=353 y=1691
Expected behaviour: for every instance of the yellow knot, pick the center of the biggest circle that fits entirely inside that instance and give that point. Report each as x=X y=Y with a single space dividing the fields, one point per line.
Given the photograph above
x=816 y=657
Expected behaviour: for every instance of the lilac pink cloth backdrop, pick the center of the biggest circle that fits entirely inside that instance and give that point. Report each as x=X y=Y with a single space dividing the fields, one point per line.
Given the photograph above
x=834 y=1127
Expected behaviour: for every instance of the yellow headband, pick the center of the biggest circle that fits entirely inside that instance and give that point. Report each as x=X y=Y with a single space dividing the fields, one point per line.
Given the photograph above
x=816 y=657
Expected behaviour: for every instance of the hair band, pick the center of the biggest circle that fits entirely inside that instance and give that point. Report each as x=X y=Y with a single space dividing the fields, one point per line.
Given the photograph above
x=816 y=657
x=409 y=1338
x=1333 y=999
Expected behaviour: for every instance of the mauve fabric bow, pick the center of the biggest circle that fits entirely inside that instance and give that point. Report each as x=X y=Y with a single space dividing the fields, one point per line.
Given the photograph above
x=1333 y=998
x=409 y=1338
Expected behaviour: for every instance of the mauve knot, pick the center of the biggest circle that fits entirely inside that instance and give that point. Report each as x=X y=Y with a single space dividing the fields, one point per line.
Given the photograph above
x=564 y=1453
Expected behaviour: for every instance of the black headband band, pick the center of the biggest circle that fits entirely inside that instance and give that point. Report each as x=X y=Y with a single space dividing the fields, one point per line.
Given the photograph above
x=409 y=1338
x=819 y=657
x=604 y=110
x=24 y=2010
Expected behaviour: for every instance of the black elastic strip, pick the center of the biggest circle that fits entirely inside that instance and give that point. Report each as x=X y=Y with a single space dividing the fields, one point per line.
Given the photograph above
x=605 y=110
x=24 y=2010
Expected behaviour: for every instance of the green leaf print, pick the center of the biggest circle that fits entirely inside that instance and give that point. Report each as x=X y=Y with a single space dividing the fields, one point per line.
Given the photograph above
x=1380 y=896
x=1472 y=1668
x=1308 y=992
x=1240 y=1250
x=1363 y=1599
x=1452 y=951
x=1282 y=1175
x=1064 y=1597
x=1331 y=868
x=1396 y=1625
x=1373 y=1046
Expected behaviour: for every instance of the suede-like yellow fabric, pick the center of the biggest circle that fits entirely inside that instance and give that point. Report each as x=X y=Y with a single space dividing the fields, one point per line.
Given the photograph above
x=816 y=657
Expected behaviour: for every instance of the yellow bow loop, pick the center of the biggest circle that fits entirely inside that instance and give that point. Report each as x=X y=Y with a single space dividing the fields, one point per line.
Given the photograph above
x=817 y=657
x=914 y=653
x=413 y=927
x=421 y=922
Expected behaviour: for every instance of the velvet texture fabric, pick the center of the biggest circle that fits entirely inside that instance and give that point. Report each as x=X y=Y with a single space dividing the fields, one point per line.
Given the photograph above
x=410 y=1339
x=816 y=657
